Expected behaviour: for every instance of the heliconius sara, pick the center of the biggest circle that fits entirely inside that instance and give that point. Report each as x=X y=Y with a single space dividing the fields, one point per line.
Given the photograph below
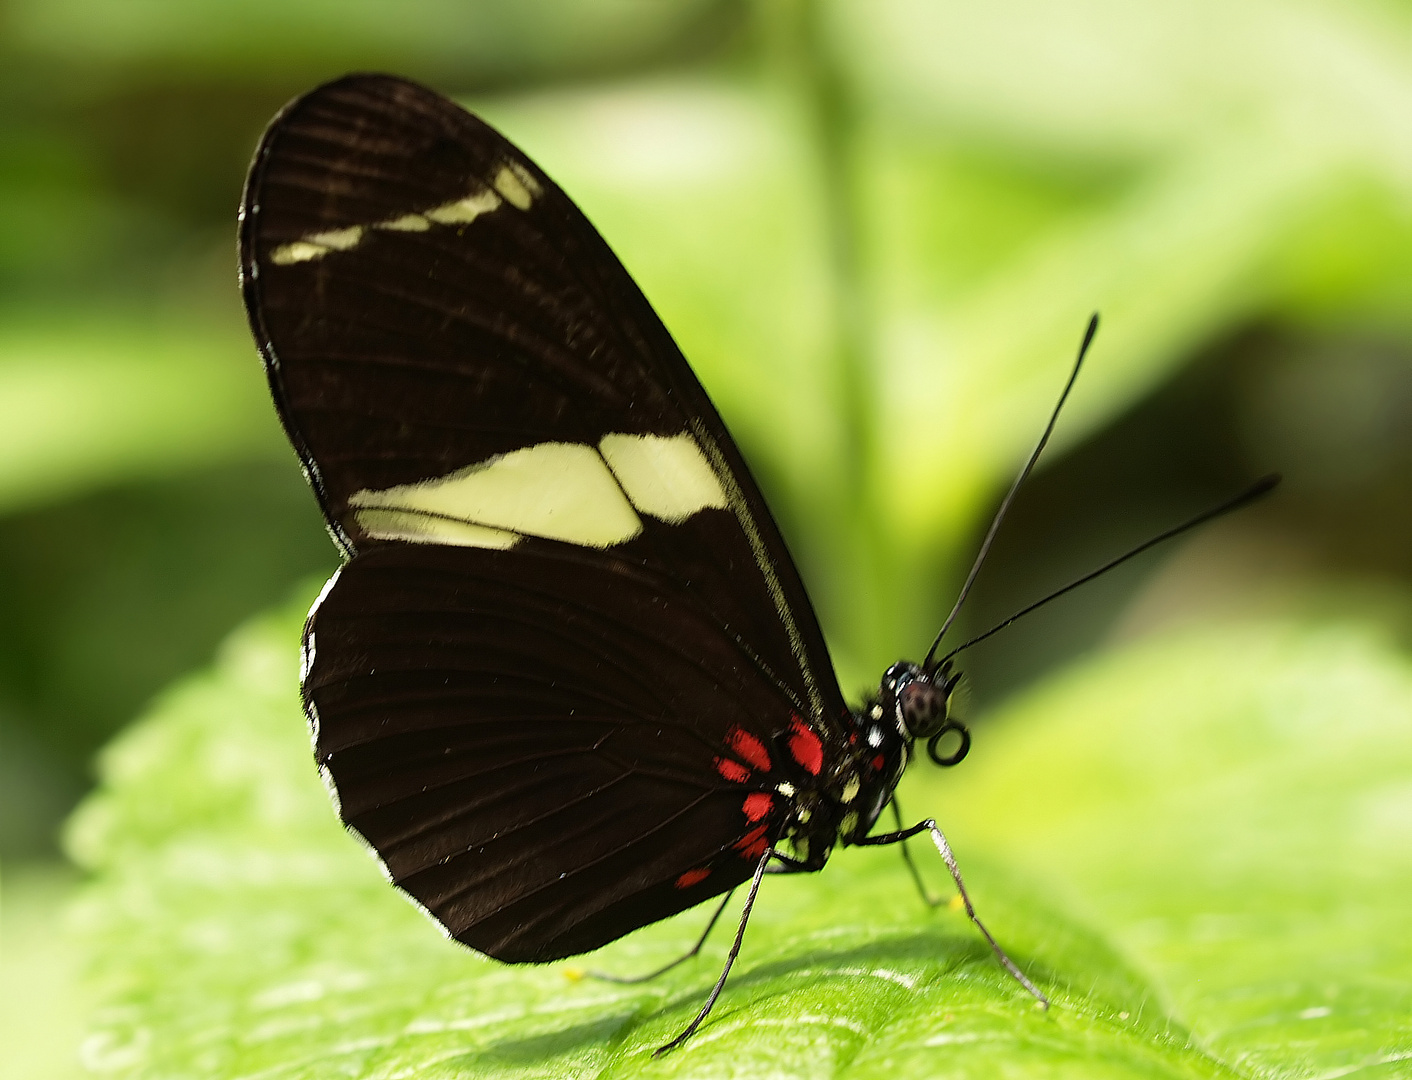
x=568 y=681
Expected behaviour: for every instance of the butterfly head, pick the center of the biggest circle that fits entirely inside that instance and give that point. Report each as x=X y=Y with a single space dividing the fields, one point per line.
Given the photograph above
x=911 y=703
x=919 y=701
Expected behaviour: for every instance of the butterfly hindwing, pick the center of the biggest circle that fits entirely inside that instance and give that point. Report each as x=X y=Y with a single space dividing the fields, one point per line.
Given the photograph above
x=536 y=494
x=546 y=751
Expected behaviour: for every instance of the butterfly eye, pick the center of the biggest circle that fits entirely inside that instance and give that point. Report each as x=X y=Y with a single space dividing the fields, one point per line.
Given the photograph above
x=923 y=707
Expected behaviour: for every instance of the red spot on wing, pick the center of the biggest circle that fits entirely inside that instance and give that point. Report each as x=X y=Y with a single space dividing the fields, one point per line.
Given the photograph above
x=805 y=747
x=757 y=805
x=733 y=771
x=878 y=763
x=693 y=877
x=750 y=749
x=753 y=844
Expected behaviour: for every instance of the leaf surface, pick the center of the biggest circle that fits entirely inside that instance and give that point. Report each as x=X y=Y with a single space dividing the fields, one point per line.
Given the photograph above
x=1140 y=845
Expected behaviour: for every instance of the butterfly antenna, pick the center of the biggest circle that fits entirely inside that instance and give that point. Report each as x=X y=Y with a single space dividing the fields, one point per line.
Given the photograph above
x=1010 y=495
x=1260 y=488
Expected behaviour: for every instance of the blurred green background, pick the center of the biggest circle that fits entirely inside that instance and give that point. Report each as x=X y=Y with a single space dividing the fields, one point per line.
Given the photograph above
x=876 y=227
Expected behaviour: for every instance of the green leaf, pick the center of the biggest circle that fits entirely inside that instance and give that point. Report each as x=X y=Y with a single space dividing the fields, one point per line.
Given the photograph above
x=1234 y=810
x=1211 y=830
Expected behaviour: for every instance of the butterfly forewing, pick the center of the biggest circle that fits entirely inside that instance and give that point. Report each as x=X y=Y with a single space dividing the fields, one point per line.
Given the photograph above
x=396 y=286
x=549 y=684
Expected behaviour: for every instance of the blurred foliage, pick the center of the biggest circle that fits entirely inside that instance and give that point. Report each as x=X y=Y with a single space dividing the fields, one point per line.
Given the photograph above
x=877 y=228
x=43 y=1006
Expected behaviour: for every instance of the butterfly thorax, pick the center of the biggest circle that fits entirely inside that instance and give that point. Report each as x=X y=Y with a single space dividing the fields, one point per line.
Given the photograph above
x=857 y=785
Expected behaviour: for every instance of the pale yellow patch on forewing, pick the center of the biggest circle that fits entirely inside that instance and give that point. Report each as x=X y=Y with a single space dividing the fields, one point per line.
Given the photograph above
x=415 y=528
x=517 y=186
x=407 y=223
x=297 y=252
x=513 y=183
x=465 y=210
x=561 y=491
x=317 y=245
x=338 y=239
x=665 y=476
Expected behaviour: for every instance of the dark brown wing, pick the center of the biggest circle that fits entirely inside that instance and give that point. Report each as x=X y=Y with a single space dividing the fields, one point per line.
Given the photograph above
x=473 y=381
x=547 y=751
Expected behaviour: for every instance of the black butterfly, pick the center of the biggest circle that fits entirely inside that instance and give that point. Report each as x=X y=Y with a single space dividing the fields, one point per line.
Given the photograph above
x=568 y=682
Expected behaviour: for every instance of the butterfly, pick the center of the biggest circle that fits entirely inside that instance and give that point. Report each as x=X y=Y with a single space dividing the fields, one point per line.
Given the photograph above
x=568 y=681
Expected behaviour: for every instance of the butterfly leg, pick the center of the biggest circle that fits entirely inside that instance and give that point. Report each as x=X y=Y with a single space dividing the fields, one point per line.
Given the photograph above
x=939 y=839
x=605 y=977
x=927 y=897
x=730 y=959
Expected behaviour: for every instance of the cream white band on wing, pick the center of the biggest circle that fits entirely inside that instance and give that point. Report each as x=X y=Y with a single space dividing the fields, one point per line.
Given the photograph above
x=516 y=185
x=511 y=183
x=317 y=245
x=421 y=527
x=571 y=492
x=560 y=491
x=665 y=476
